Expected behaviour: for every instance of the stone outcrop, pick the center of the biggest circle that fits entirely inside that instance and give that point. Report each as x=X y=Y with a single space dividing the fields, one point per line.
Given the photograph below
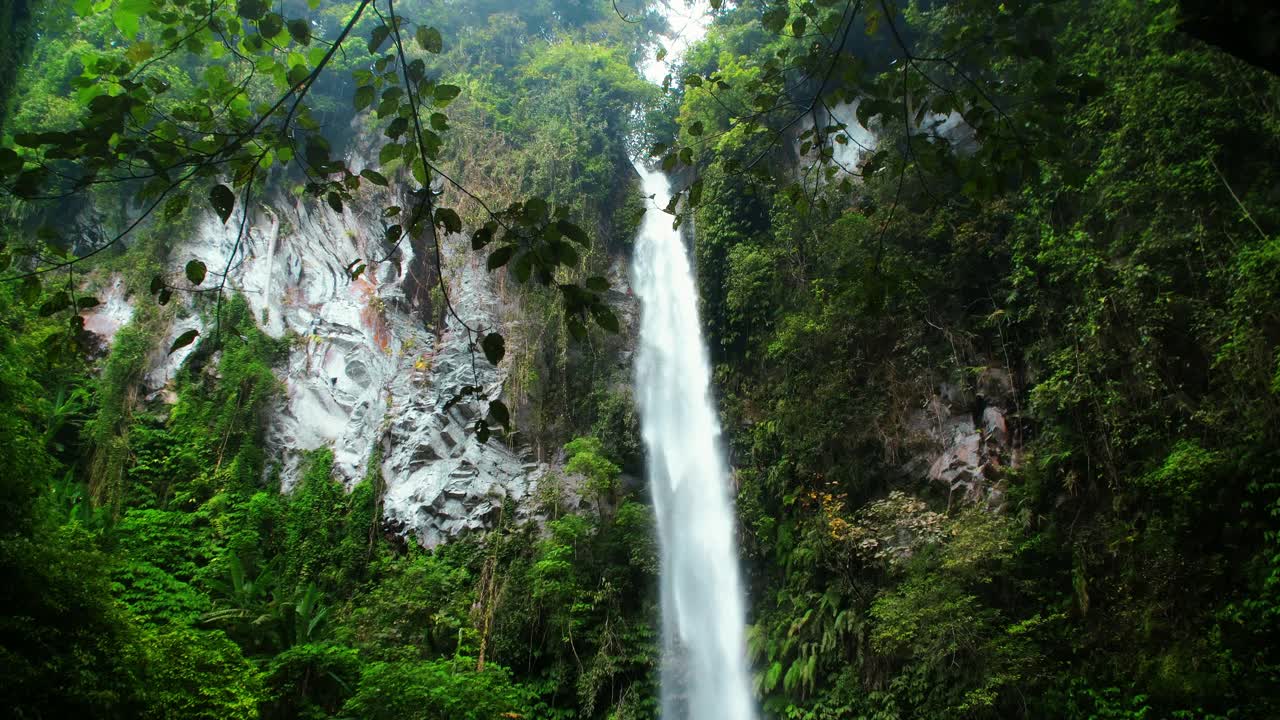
x=369 y=369
x=963 y=438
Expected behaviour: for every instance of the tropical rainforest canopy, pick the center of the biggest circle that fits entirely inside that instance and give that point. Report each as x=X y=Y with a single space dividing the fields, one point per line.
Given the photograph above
x=990 y=289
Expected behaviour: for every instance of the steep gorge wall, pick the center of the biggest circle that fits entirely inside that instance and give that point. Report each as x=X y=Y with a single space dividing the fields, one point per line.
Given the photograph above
x=371 y=368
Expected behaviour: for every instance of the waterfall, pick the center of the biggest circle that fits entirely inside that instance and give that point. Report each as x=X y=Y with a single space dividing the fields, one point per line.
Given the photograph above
x=705 y=673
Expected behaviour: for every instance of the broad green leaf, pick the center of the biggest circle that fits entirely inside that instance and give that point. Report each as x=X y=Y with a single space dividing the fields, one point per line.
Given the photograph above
x=271 y=25
x=184 y=340
x=499 y=411
x=377 y=37
x=10 y=162
x=430 y=40
x=565 y=254
x=364 y=97
x=397 y=128
x=127 y=14
x=605 y=318
x=449 y=219
x=223 y=200
x=574 y=233
x=499 y=257
x=695 y=193
x=495 y=348
x=374 y=177
x=195 y=272
x=775 y=18
x=59 y=301
x=300 y=31
x=251 y=9
x=444 y=94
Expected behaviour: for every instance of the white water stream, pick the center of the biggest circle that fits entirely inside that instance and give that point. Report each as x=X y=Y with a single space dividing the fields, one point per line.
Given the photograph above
x=704 y=667
x=704 y=661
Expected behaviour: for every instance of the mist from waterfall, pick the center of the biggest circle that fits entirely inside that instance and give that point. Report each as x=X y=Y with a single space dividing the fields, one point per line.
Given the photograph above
x=705 y=674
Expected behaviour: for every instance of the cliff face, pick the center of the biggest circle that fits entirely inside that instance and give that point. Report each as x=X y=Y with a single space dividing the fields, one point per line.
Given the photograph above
x=373 y=362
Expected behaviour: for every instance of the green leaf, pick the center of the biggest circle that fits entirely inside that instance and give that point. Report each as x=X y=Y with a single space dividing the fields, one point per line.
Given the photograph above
x=522 y=268
x=270 y=25
x=574 y=233
x=535 y=209
x=798 y=26
x=300 y=31
x=251 y=9
x=499 y=257
x=184 y=340
x=59 y=301
x=605 y=318
x=196 y=272
x=444 y=94
x=430 y=40
x=695 y=128
x=449 y=219
x=481 y=238
x=566 y=255
x=389 y=152
x=30 y=291
x=597 y=284
x=377 y=37
x=397 y=127
x=499 y=411
x=495 y=347
x=775 y=18
x=482 y=431
x=174 y=206
x=223 y=200
x=695 y=193
x=10 y=162
x=127 y=14
x=364 y=97
x=298 y=74
x=374 y=177
x=335 y=201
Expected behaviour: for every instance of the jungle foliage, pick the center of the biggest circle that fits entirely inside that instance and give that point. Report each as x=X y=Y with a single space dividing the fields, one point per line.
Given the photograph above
x=1107 y=236
x=1120 y=270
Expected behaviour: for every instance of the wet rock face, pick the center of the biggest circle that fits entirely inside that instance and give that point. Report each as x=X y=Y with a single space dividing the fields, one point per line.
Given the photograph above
x=368 y=369
x=112 y=312
x=962 y=439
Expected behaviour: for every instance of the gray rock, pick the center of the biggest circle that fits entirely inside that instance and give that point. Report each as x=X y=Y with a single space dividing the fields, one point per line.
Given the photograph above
x=364 y=370
x=949 y=448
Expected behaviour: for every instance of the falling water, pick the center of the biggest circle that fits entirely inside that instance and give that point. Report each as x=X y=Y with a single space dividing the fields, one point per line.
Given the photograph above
x=704 y=660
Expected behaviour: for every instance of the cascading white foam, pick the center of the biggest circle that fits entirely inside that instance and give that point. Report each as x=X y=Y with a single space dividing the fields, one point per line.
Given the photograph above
x=705 y=673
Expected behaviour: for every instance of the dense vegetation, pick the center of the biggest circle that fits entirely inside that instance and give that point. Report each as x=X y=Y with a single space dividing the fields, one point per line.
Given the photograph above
x=1109 y=244
x=1128 y=286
